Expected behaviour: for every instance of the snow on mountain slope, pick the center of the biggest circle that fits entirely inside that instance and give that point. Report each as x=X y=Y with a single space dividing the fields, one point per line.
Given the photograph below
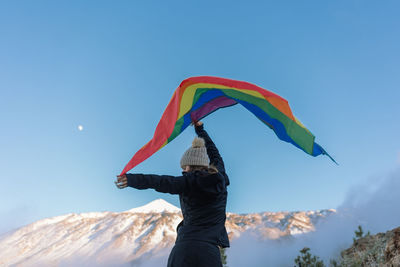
x=159 y=205
x=101 y=238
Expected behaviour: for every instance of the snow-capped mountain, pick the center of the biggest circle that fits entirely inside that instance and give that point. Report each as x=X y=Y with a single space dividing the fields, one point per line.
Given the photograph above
x=102 y=238
x=158 y=205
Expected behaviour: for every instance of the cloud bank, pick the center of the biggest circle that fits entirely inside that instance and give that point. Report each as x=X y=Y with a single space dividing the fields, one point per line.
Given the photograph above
x=374 y=206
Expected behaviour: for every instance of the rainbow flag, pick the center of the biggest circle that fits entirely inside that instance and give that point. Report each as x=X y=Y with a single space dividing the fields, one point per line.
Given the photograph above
x=197 y=97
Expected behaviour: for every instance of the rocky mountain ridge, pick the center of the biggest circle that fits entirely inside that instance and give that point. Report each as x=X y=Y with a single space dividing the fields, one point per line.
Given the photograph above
x=131 y=236
x=382 y=249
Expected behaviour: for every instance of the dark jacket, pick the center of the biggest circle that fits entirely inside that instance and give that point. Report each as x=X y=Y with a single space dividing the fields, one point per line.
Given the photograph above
x=202 y=196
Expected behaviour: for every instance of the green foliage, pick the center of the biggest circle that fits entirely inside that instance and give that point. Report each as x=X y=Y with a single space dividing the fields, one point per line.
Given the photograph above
x=305 y=259
x=370 y=257
x=359 y=234
x=359 y=259
x=223 y=257
x=334 y=263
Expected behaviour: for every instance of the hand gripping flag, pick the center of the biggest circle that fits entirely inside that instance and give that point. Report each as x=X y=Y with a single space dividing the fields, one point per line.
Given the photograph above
x=197 y=97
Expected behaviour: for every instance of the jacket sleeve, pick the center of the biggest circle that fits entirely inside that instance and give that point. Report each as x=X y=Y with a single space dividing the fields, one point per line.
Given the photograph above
x=212 y=151
x=160 y=183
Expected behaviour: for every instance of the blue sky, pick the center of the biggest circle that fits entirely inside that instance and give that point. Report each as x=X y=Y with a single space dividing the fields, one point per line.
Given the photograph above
x=113 y=66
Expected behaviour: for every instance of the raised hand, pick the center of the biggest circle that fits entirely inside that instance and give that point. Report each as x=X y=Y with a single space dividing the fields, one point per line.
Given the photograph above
x=197 y=123
x=121 y=182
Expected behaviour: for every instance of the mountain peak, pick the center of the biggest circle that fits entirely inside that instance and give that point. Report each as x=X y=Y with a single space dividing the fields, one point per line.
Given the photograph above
x=158 y=205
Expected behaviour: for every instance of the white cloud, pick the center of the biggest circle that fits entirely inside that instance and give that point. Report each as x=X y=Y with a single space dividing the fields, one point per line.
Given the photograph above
x=373 y=206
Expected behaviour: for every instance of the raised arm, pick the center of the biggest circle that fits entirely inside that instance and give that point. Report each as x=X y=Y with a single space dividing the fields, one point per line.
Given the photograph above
x=160 y=183
x=212 y=151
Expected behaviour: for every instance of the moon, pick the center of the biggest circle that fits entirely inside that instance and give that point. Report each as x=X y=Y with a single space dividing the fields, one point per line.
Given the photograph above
x=80 y=128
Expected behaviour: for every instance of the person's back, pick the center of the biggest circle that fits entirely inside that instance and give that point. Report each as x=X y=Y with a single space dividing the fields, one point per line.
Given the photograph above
x=204 y=209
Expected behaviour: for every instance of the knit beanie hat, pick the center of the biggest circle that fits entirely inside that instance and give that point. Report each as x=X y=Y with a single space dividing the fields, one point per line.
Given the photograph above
x=195 y=155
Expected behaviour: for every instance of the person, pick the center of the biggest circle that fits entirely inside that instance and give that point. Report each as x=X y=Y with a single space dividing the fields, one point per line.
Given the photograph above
x=202 y=190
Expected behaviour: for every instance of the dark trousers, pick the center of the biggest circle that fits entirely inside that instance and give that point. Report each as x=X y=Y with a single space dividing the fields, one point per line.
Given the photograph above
x=194 y=254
